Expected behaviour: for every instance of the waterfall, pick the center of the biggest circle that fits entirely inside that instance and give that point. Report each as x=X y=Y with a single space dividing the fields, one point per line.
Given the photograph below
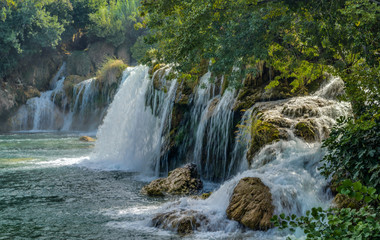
x=41 y=113
x=289 y=167
x=53 y=110
x=131 y=135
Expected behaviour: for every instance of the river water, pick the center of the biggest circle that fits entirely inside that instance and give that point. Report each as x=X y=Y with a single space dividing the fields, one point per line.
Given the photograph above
x=46 y=193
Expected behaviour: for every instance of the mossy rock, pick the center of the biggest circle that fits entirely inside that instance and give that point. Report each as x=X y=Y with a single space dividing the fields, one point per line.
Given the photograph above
x=247 y=97
x=306 y=131
x=111 y=72
x=344 y=201
x=262 y=133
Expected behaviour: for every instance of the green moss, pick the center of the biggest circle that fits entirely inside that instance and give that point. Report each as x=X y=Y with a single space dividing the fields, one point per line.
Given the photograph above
x=262 y=133
x=306 y=131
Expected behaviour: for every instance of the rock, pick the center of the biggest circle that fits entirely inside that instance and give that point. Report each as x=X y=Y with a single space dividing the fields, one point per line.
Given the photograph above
x=212 y=107
x=123 y=53
x=31 y=92
x=70 y=81
x=251 y=204
x=79 y=63
x=7 y=102
x=99 y=52
x=306 y=131
x=180 y=181
x=86 y=139
x=343 y=201
x=183 y=221
x=262 y=133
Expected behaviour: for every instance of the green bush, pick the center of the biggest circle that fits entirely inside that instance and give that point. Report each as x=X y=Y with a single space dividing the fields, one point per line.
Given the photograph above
x=354 y=150
x=334 y=223
x=113 y=21
x=25 y=29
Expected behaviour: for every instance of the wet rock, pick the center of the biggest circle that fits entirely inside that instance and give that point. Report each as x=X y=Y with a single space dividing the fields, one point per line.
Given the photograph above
x=86 y=139
x=203 y=196
x=183 y=221
x=180 y=181
x=251 y=204
x=306 y=131
x=32 y=92
x=262 y=133
x=69 y=83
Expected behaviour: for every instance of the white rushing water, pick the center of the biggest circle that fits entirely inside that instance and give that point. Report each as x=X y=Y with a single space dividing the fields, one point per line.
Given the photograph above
x=130 y=138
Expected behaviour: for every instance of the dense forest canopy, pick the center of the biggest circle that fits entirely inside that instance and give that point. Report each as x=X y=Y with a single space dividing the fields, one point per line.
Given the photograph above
x=28 y=27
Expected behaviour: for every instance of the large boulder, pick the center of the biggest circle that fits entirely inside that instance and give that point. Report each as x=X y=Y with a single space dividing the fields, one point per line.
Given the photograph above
x=180 y=181
x=251 y=204
x=182 y=221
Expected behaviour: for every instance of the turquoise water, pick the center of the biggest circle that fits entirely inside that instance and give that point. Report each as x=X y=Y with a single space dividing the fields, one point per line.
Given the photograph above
x=45 y=194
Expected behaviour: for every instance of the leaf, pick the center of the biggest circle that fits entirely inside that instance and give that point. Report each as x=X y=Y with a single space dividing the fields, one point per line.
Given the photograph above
x=357 y=186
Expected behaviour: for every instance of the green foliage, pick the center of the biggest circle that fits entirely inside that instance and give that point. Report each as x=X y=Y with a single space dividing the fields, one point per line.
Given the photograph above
x=29 y=27
x=25 y=28
x=140 y=49
x=344 y=223
x=301 y=38
x=354 y=150
x=113 y=21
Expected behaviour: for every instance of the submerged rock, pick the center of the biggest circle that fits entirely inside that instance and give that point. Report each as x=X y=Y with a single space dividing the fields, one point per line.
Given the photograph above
x=251 y=204
x=183 y=221
x=180 y=181
x=86 y=139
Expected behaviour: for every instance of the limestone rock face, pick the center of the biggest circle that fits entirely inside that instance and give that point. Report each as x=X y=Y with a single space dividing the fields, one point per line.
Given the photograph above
x=180 y=181
x=183 y=221
x=7 y=101
x=251 y=204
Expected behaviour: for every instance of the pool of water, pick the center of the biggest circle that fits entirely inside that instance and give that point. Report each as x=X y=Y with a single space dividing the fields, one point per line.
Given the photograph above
x=46 y=192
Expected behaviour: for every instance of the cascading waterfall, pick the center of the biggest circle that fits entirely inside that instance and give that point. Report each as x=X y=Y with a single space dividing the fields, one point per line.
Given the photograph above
x=53 y=111
x=289 y=167
x=41 y=113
